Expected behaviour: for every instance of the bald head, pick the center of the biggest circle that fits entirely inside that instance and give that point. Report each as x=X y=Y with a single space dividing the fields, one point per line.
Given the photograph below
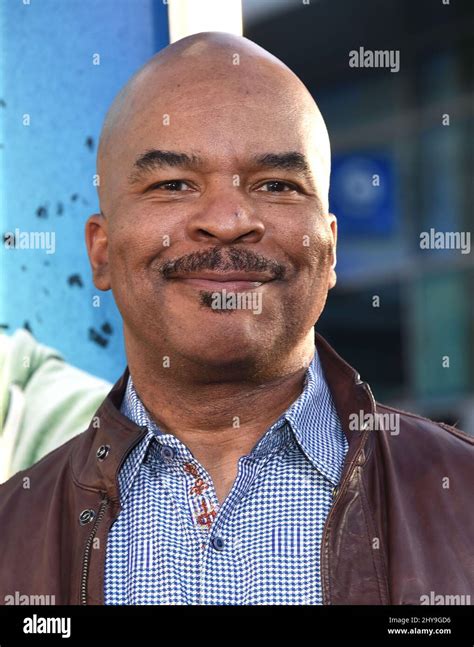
x=202 y=72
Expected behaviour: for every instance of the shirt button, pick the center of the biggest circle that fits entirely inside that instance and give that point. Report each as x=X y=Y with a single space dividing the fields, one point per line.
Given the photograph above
x=167 y=453
x=218 y=543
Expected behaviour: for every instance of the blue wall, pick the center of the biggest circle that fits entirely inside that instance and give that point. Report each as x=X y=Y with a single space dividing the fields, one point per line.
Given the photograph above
x=47 y=168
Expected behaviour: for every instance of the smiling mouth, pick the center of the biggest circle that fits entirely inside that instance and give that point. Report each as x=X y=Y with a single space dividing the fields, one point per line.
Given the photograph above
x=232 y=282
x=230 y=286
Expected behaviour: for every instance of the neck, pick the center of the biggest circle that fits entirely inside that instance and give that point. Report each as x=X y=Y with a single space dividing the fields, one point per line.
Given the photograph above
x=218 y=420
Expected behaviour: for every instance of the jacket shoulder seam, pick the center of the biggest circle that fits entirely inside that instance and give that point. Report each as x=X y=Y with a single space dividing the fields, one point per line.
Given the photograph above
x=462 y=435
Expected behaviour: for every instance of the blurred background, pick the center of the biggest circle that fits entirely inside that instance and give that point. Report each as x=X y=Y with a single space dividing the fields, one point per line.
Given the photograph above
x=397 y=310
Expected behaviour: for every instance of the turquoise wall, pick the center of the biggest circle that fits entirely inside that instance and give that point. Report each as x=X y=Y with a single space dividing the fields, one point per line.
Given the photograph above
x=48 y=78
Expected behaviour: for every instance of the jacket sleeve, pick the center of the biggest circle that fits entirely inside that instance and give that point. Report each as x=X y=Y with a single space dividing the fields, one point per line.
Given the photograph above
x=44 y=401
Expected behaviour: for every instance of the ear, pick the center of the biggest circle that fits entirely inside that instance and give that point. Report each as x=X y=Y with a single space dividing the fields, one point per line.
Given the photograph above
x=97 y=249
x=332 y=274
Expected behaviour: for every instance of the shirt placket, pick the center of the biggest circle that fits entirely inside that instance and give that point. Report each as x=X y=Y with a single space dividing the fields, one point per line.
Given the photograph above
x=201 y=499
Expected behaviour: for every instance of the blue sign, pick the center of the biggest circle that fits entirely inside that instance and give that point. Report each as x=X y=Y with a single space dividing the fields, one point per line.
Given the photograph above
x=362 y=194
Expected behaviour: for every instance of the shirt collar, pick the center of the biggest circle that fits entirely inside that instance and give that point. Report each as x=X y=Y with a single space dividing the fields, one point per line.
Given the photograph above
x=316 y=425
x=311 y=420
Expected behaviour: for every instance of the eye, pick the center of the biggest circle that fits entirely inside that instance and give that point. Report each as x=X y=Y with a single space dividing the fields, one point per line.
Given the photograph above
x=174 y=186
x=278 y=186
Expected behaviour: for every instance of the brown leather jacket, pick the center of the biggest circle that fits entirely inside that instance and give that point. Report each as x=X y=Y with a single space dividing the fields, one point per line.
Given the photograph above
x=401 y=526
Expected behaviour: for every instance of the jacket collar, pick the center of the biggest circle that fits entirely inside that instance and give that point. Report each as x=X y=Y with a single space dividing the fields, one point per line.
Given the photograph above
x=112 y=433
x=351 y=395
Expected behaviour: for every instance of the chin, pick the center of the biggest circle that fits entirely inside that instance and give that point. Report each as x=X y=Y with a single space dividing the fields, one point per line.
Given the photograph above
x=228 y=352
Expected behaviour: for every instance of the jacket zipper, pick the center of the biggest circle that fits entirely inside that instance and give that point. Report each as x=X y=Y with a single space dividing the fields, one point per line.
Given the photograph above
x=340 y=489
x=86 y=559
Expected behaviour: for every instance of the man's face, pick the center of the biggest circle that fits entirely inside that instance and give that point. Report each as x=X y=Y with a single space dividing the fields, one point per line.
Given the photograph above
x=174 y=232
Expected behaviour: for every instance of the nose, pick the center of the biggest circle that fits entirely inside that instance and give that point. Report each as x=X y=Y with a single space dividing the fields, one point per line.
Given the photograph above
x=225 y=218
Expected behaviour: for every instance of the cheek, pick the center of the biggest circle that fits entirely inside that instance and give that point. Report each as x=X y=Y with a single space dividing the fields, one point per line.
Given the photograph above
x=320 y=253
x=317 y=278
x=128 y=258
x=144 y=233
x=311 y=248
x=134 y=241
x=310 y=252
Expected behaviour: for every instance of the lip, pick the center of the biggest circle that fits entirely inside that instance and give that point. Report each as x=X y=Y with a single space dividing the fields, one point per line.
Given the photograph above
x=231 y=281
x=230 y=286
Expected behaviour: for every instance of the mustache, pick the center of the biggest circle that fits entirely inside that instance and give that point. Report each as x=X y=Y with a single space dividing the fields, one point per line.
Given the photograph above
x=214 y=259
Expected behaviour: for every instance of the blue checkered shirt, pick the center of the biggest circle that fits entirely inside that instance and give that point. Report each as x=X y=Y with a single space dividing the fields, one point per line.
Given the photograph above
x=172 y=543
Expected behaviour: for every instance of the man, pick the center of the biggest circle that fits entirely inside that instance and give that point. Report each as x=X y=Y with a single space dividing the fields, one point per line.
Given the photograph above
x=235 y=461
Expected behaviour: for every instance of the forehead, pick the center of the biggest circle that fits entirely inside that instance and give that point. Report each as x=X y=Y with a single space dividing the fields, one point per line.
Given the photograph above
x=217 y=98
x=226 y=117
x=228 y=129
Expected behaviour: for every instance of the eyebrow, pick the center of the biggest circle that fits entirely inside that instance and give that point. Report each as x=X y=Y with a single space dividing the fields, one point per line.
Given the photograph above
x=291 y=161
x=154 y=158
